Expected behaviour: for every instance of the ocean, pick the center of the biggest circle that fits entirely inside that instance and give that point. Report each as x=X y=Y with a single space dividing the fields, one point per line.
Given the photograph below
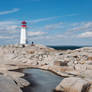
x=65 y=47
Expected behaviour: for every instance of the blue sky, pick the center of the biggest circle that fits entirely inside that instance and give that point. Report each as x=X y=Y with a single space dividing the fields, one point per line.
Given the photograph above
x=50 y=22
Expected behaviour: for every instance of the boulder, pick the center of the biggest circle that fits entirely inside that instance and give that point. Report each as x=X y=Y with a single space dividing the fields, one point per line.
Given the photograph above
x=71 y=63
x=8 y=85
x=89 y=67
x=73 y=84
x=80 y=67
x=59 y=68
x=89 y=62
x=60 y=63
x=88 y=73
x=90 y=58
x=22 y=82
x=90 y=89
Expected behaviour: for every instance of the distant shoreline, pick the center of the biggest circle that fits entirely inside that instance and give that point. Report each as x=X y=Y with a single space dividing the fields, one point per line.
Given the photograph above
x=57 y=47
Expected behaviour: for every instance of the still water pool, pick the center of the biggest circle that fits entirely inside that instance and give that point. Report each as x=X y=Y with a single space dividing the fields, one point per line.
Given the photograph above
x=41 y=81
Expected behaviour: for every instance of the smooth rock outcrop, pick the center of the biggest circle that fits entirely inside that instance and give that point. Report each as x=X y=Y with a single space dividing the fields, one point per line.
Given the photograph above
x=8 y=85
x=73 y=84
x=64 y=63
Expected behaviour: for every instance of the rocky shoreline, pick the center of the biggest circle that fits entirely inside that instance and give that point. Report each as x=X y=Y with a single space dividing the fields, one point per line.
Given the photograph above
x=74 y=65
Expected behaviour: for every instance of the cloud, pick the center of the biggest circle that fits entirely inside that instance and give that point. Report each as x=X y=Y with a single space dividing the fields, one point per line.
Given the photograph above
x=36 y=33
x=54 y=26
x=9 y=11
x=43 y=19
x=9 y=30
x=71 y=15
x=7 y=37
x=49 y=37
x=51 y=18
x=82 y=26
x=8 y=27
x=85 y=35
x=49 y=27
x=10 y=22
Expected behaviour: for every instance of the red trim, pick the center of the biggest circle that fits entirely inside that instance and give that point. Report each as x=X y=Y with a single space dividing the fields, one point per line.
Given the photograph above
x=23 y=26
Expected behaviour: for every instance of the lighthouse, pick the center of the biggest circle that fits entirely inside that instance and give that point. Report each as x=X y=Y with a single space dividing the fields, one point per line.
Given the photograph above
x=23 y=39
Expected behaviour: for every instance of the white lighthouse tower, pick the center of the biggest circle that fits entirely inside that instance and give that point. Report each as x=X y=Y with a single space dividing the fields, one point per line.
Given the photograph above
x=23 y=39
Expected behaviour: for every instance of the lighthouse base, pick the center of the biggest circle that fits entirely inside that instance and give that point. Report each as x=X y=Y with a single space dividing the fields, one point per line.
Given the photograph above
x=23 y=45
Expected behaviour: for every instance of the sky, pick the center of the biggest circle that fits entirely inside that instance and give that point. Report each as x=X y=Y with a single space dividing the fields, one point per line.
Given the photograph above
x=50 y=22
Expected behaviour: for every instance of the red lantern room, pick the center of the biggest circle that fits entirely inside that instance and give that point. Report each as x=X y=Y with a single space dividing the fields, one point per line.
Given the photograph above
x=24 y=24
